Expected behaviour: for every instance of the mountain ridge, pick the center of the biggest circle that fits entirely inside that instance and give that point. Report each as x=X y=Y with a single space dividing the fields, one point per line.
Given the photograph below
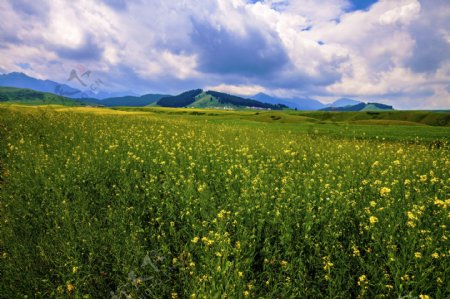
x=211 y=99
x=197 y=98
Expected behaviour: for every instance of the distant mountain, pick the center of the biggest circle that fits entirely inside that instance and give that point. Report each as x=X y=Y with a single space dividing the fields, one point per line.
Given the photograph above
x=304 y=103
x=21 y=80
x=294 y=103
x=342 y=102
x=361 y=107
x=33 y=97
x=126 y=101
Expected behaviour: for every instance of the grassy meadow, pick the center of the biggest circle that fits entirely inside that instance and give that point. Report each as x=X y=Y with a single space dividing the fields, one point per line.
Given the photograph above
x=179 y=203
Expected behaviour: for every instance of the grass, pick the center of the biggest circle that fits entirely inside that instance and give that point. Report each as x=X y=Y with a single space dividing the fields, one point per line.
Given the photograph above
x=173 y=203
x=23 y=96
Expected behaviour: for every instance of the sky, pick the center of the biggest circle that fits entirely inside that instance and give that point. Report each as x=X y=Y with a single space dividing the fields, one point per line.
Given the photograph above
x=390 y=51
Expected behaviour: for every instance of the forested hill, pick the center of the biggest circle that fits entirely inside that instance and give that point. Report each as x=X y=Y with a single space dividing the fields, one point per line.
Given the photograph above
x=213 y=99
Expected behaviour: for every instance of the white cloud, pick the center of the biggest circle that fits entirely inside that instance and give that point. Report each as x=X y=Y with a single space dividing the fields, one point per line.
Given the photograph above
x=244 y=90
x=401 y=15
x=397 y=50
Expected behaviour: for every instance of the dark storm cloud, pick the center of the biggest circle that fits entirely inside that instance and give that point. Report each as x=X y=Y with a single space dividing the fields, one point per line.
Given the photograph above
x=221 y=51
x=430 y=51
x=88 y=51
x=431 y=48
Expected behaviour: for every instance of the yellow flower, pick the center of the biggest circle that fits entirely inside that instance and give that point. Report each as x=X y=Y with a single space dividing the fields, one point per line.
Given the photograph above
x=385 y=191
x=435 y=255
x=328 y=265
x=74 y=269
x=238 y=245
x=195 y=240
x=246 y=293
x=424 y=296
x=70 y=288
x=362 y=280
x=373 y=219
x=418 y=255
x=356 y=251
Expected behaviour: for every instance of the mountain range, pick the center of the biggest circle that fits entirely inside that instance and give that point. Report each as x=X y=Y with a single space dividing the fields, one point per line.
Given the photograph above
x=193 y=98
x=304 y=103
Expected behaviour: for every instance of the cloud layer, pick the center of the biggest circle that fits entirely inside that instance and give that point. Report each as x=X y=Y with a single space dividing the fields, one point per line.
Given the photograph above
x=393 y=51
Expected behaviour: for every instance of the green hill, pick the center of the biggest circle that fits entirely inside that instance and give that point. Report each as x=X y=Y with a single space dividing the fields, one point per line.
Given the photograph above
x=32 y=97
x=361 y=107
x=182 y=100
x=127 y=101
x=214 y=100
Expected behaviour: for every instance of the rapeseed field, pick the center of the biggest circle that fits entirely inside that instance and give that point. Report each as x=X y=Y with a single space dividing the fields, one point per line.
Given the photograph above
x=141 y=205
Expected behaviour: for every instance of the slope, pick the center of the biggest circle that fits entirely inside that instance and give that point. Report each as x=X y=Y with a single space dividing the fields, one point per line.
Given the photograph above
x=32 y=97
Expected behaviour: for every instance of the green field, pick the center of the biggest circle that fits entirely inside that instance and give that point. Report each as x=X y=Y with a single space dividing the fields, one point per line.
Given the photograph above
x=186 y=203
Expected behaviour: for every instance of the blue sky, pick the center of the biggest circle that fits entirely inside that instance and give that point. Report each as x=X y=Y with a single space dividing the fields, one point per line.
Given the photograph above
x=392 y=51
x=361 y=4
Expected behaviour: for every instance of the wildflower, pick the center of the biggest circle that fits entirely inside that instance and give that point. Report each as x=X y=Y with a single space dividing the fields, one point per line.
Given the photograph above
x=385 y=191
x=373 y=219
x=418 y=255
x=238 y=245
x=356 y=251
x=74 y=269
x=327 y=264
x=246 y=293
x=362 y=280
x=284 y=263
x=70 y=287
x=435 y=255
x=195 y=240
x=424 y=296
